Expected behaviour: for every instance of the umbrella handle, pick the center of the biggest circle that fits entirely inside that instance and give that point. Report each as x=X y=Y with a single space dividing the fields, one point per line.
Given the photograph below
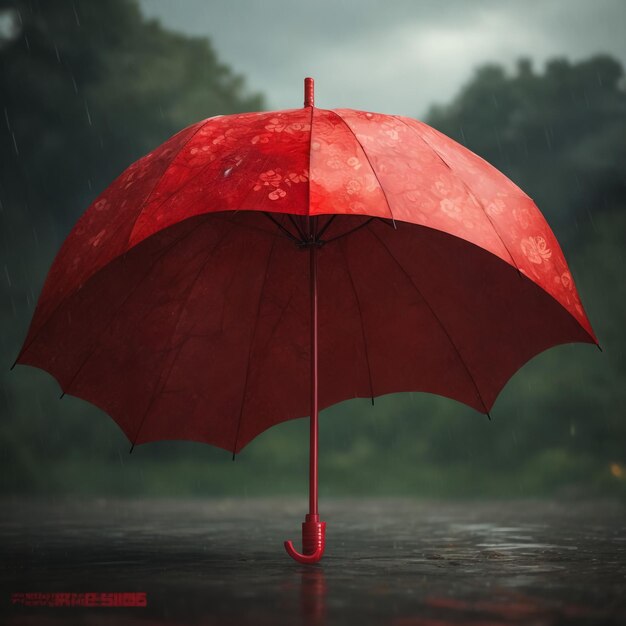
x=313 y=541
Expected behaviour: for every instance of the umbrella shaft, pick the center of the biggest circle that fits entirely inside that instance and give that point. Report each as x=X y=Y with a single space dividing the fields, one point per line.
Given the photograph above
x=313 y=439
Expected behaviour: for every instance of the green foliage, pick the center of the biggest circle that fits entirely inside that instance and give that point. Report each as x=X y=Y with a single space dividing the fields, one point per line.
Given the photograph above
x=85 y=89
x=88 y=87
x=559 y=135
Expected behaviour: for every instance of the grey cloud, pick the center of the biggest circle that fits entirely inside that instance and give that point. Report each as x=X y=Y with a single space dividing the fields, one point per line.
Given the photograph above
x=397 y=56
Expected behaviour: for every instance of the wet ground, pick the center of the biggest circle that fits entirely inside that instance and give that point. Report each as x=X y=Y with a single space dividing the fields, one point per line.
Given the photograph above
x=395 y=562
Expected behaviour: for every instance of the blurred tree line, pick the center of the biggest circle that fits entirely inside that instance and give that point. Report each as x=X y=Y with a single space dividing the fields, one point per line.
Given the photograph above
x=88 y=87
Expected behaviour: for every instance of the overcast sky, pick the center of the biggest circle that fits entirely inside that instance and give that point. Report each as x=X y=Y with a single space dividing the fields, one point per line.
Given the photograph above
x=393 y=56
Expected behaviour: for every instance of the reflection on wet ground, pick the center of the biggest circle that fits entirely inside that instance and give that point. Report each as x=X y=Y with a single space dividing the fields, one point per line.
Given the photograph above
x=395 y=562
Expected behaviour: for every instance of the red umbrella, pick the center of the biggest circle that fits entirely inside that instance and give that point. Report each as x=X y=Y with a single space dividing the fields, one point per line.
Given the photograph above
x=184 y=302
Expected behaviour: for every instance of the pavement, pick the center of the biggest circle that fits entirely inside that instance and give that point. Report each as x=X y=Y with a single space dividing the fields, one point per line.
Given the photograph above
x=388 y=561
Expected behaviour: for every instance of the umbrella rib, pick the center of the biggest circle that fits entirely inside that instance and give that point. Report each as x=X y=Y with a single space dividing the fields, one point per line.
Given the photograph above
x=160 y=178
x=437 y=319
x=265 y=161
x=283 y=309
x=369 y=162
x=199 y=173
x=287 y=232
x=159 y=386
x=352 y=230
x=254 y=331
x=358 y=304
x=325 y=227
x=121 y=306
x=291 y=218
x=220 y=216
x=275 y=328
x=467 y=189
x=120 y=226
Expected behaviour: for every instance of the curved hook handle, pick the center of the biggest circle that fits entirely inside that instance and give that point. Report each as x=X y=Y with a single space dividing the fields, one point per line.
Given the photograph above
x=313 y=541
x=304 y=558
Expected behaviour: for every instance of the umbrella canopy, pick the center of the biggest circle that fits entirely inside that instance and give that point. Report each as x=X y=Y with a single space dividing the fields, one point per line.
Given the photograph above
x=181 y=301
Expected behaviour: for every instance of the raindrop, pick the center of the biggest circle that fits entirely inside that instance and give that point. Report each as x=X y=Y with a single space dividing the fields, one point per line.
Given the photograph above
x=76 y=14
x=548 y=139
x=579 y=184
x=593 y=225
x=88 y=114
x=499 y=143
x=6 y=273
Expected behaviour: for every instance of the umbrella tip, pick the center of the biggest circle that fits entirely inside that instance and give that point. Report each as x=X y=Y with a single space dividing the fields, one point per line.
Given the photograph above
x=488 y=416
x=13 y=366
x=61 y=396
x=599 y=348
x=309 y=92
